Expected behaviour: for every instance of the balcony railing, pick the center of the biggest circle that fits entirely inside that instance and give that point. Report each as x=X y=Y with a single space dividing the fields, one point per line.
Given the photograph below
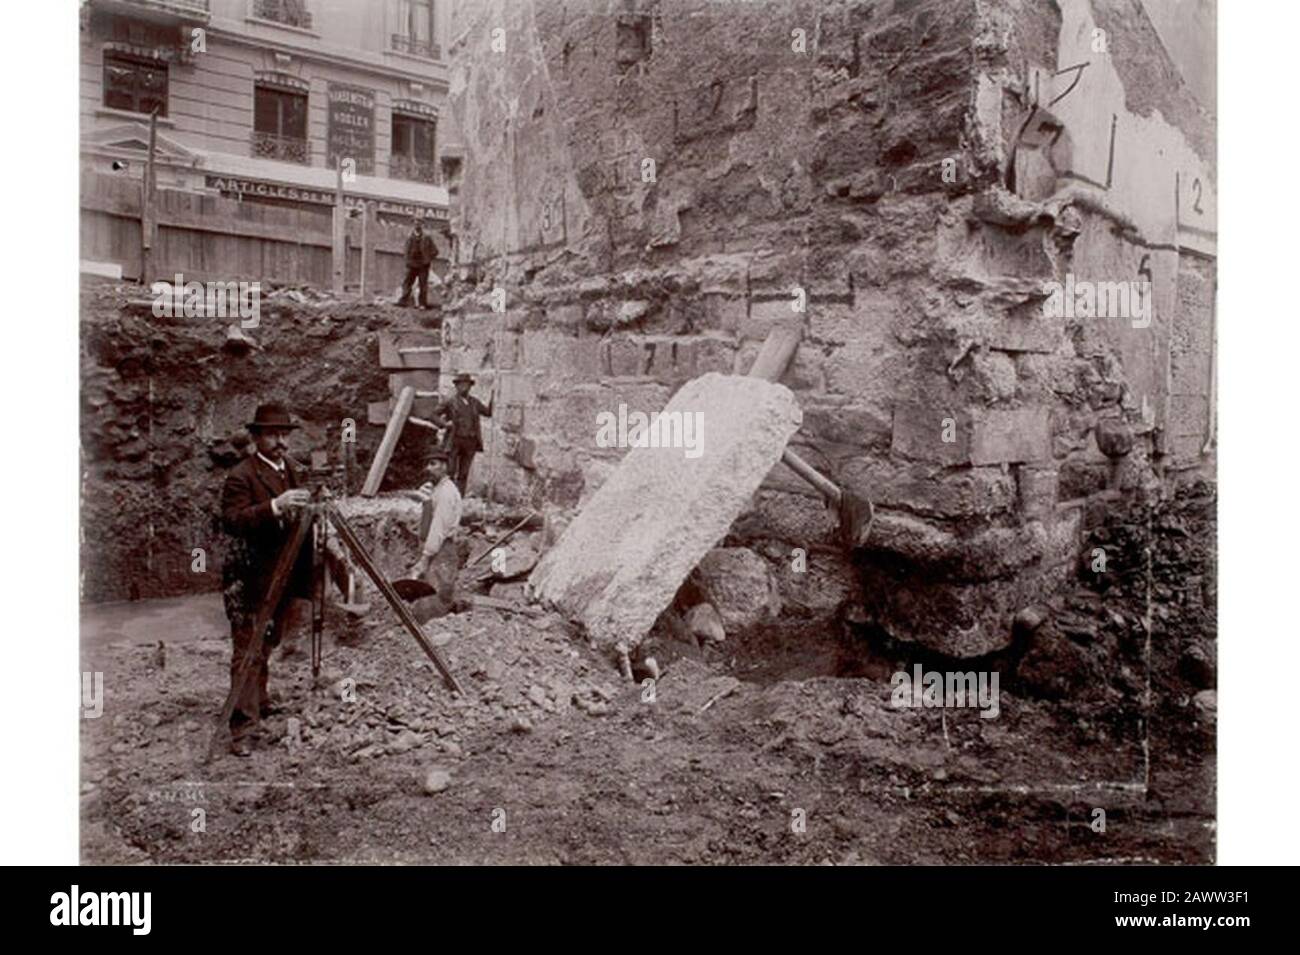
x=185 y=9
x=292 y=13
x=414 y=170
x=284 y=148
x=416 y=47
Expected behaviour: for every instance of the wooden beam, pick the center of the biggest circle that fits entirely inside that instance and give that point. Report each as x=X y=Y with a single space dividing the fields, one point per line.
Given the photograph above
x=340 y=243
x=389 y=443
x=148 y=203
x=773 y=359
x=404 y=351
x=777 y=351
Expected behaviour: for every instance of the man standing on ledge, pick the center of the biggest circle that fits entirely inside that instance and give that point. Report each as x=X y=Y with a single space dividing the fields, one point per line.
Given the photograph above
x=460 y=413
x=419 y=256
x=259 y=504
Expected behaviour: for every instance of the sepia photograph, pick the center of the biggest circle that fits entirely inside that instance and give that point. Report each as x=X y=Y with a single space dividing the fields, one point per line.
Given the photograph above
x=670 y=432
x=674 y=441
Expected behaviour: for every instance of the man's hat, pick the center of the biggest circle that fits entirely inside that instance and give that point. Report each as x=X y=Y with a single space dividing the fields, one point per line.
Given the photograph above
x=463 y=376
x=271 y=415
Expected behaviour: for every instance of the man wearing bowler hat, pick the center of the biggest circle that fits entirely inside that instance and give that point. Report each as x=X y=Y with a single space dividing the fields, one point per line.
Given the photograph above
x=259 y=506
x=460 y=413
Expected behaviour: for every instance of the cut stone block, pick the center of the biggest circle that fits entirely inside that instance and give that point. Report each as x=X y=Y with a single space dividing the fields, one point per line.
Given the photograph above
x=931 y=433
x=1007 y=437
x=622 y=560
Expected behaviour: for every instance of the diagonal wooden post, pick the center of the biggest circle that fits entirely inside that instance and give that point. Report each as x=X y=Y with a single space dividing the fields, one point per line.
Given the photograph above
x=396 y=421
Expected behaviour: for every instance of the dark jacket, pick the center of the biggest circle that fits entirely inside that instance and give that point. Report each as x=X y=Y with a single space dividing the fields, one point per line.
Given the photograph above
x=461 y=416
x=257 y=535
x=419 y=251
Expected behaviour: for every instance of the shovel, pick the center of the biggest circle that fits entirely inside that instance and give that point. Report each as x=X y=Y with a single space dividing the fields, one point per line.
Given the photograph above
x=856 y=513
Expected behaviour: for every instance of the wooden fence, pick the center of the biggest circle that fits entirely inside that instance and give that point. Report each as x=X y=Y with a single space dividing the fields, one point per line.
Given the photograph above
x=213 y=238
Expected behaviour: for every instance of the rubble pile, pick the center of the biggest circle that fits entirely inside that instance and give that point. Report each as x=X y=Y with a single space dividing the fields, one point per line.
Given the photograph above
x=1144 y=609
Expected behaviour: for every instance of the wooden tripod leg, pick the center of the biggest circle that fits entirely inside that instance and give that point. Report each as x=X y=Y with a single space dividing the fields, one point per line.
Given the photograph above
x=360 y=555
x=317 y=595
x=284 y=562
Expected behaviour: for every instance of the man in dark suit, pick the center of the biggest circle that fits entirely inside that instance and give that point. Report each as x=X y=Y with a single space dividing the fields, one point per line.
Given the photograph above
x=260 y=505
x=460 y=414
x=420 y=254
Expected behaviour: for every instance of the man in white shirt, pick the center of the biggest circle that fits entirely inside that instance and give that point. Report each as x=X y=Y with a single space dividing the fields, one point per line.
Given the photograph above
x=439 y=561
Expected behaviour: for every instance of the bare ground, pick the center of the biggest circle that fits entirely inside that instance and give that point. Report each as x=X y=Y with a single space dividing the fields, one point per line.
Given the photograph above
x=552 y=758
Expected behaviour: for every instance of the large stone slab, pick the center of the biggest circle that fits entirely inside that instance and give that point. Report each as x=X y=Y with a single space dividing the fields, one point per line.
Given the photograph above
x=622 y=559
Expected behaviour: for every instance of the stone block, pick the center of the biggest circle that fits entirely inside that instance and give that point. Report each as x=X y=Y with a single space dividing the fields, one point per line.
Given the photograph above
x=1033 y=333
x=568 y=315
x=624 y=357
x=714 y=354
x=1036 y=491
x=617 y=567
x=561 y=356
x=930 y=432
x=1010 y=436
x=930 y=490
x=724 y=312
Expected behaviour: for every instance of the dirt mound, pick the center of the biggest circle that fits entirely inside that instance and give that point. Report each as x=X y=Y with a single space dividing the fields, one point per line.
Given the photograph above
x=163 y=405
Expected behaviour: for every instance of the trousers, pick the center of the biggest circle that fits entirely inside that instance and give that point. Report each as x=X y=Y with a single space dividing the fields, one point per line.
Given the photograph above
x=441 y=575
x=254 y=651
x=461 y=456
x=414 y=273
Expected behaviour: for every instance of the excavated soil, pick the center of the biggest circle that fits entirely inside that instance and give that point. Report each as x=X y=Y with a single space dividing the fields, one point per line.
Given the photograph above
x=550 y=757
x=164 y=402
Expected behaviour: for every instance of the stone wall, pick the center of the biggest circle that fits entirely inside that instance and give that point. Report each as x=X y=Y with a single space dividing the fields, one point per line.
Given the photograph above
x=651 y=186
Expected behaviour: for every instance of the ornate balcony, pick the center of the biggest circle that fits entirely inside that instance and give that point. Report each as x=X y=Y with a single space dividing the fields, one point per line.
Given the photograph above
x=157 y=10
x=284 y=148
x=291 y=13
x=416 y=47
x=192 y=8
x=414 y=170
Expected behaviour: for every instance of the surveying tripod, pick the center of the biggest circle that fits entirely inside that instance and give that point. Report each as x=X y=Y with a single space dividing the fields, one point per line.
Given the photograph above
x=313 y=521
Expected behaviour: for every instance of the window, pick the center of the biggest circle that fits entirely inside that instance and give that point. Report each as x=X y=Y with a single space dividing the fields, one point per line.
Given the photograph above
x=414 y=142
x=280 y=124
x=293 y=13
x=135 y=84
x=415 y=26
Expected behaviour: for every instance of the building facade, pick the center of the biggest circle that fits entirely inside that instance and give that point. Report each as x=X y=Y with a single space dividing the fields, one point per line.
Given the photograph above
x=270 y=101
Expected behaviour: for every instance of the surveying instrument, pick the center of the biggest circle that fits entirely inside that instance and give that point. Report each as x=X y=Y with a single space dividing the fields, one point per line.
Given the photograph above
x=313 y=521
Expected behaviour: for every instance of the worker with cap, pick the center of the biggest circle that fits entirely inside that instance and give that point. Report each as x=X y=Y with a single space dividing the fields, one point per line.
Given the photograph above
x=460 y=415
x=440 y=556
x=261 y=498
